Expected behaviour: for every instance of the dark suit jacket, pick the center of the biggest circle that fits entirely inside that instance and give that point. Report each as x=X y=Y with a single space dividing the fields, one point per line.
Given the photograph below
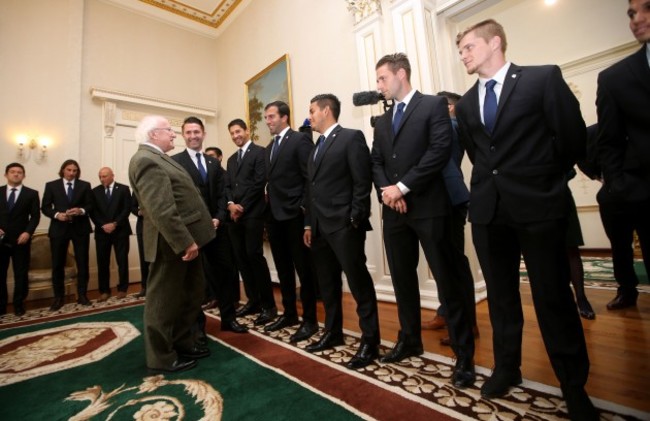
x=245 y=182
x=538 y=136
x=173 y=209
x=55 y=200
x=452 y=174
x=212 y=191
x=116 y=211
x=24 y=217
x=339 y=183
x=287 y=175
x=623 y=102
x=415 y=155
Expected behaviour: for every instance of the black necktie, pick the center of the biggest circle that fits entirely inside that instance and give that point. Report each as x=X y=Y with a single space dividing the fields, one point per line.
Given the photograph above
x=397 y=119
x=276 y=145
x=239 y=156
x=108 y=194
x=12 y=199
x=69 y=192
x=204 y=174
x=490 y=106
x=319 y=144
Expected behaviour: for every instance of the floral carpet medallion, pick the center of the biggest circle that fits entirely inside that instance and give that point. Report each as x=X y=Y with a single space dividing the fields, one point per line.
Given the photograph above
x=41 y=352
x=155 y=399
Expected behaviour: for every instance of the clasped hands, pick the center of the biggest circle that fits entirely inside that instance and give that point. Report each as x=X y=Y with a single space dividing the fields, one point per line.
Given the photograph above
x=67 y=215
x=236 y=211
x=392 y=197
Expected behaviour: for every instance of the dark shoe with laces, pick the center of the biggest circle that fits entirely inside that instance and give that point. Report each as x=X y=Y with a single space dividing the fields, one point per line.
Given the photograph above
x=327 y=341
x=401 y=351
x=500 y=383
x=304 y=332
x=57 y=304
x=233 y=326
x=464 y=374
x=282 y=322
x=365 y=355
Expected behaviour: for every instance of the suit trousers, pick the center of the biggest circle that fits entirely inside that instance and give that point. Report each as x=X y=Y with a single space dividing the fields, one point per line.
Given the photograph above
x=344 y=250
x=218 y=268
x=59 y=247
x=499 y=246
x=174 y=293
x=291 y=256
x=402 y=236
x=247 y=241
x=620 y=220
x=144 y=265
x=19 y=255
x=103 y=246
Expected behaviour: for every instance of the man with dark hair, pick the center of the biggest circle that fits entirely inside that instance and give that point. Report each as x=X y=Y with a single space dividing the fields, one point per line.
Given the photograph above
x=67 y=201
x=214 y=152
x=623 y=102
x=110 y=214
x=286 y=172
x=207 y=176
x=411 y=148
x=523 y=131
x=19 y=217
x=246 y=204
x=335 y=227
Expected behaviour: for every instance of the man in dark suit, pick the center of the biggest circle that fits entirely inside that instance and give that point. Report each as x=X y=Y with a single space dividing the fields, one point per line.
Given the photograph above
x=286 y=172
x=409 y=152
x=336 y=224
x=523 y=131
x=67 y=201
x=246 y=205
x=176 y=224
x=208 y=178
x=110 y=214
x=623 y=102
x=19 y=217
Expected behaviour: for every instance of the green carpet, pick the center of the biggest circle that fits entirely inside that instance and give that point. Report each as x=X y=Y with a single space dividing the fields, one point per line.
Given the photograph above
x=601 y=269
x=249 y=390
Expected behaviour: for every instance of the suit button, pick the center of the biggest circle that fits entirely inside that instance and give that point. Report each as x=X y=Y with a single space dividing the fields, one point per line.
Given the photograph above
x=394 y=155
x=495 y=172
x=492 y=149
x=395 y=175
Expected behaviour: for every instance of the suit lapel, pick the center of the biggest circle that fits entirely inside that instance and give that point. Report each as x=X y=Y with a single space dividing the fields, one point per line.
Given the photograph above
x=329 y=141
x=412 y=105
x=513 y=76
x=639 y=67
x=280 y=147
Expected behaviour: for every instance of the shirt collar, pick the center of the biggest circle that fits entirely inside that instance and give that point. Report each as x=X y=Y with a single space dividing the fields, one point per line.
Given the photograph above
x=151 y=145
x=407 y=98
x=65 y=182
x=499 y=76
x=283 y=133
x=245 y=147
x=329 y=130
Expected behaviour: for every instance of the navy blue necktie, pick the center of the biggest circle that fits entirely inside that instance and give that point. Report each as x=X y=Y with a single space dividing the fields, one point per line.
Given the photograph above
x=12 y=199
x=69 y=192
x=204 y=174
x=397 y=119
x=108 y=194
x=276 y=145
x=490 y=106
x=239 y=156
x=319 y=143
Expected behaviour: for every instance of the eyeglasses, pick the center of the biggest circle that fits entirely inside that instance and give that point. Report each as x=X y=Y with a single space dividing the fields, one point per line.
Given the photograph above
x=169 y=129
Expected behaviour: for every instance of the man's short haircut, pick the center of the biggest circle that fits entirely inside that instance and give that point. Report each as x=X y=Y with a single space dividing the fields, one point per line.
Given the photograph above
x=238 y=122
x=70 y=162
x=328 y=100
x=146 y=126
x=396 y=61
x=452 y=97
x=214 y=149
x=193 y=120
x=487 y=30
x=283 y=109
x=14 y=165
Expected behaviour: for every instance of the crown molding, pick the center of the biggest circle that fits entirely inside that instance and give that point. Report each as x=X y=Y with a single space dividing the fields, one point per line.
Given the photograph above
x=132 y=98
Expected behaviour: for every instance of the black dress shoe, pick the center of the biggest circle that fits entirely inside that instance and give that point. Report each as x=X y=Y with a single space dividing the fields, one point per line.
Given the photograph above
x=195 y=353
x=364 y=356
x=246 y=309
x=83 y=300
x=327 y=341
x=305 y=331
x=233 y=326
x=57 y=304
x=585 y=309
x=623 y=301
x=500 y=382
x=267 y=315
x=177 y=366
x=142 y=293
x=464 y=374
x=282 y=322
x=401 y=351
x=578 y=404
x=19 y=311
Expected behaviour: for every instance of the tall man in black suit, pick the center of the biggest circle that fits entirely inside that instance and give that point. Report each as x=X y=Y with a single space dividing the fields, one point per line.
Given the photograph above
x=523 y=131
x=623 y=102
x=208 y=178
x=246 y=204
x=110 y=214
x=336 y=224
x=176 y=225
x=410 y=150
x=286 y=172
x=67 y=201
x=19 y=217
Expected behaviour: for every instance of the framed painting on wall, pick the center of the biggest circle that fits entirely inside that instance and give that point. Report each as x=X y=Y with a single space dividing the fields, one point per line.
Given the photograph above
x=271 y=84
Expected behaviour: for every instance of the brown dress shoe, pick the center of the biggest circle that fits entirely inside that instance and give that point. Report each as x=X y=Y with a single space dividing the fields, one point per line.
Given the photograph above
x=436 y=323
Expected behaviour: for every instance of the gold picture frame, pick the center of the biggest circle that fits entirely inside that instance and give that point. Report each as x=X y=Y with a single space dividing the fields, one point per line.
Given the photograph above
x=271 y=84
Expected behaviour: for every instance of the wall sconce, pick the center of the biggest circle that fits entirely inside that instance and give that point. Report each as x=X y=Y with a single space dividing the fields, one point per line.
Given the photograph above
x=27 y=144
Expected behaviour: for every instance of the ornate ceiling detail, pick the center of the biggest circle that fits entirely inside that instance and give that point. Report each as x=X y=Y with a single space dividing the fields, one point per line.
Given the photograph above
x=210 y=13
x=361 y=9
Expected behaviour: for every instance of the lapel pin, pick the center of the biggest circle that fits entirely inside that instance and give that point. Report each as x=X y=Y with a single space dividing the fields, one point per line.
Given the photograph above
x=513 y=76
